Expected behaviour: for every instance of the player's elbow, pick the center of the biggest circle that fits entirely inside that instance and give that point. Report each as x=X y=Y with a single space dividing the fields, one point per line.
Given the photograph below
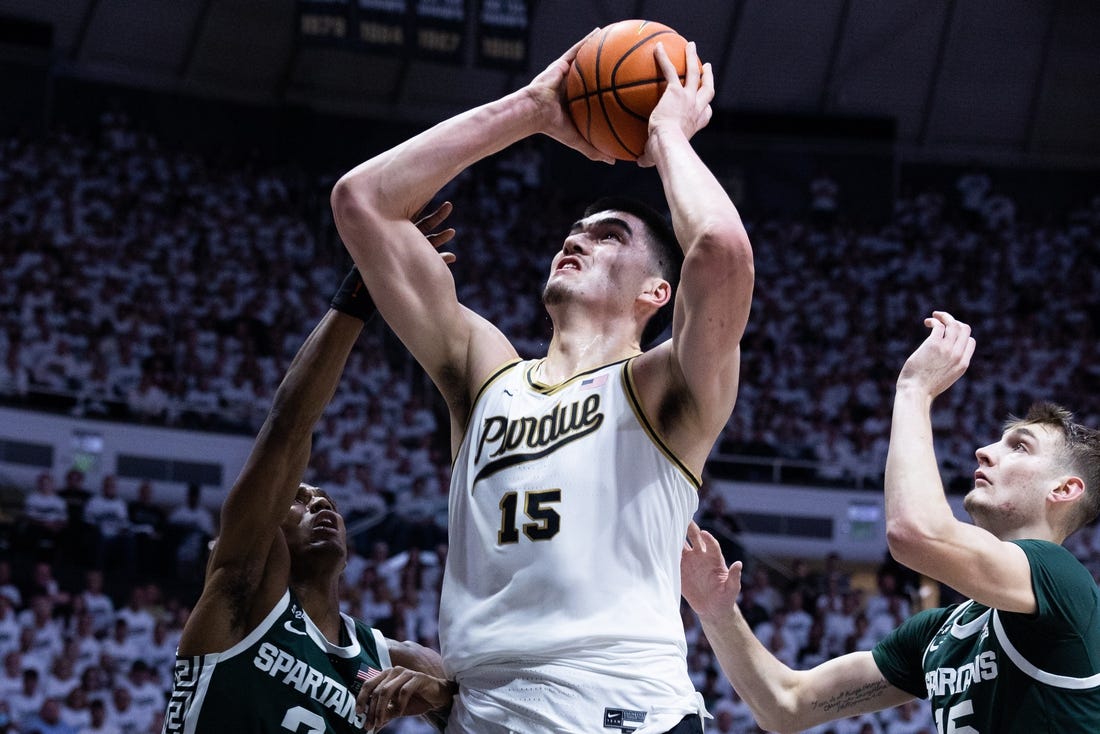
x=722 y=246
x=780 y=708
x=781 y=721
x=910 y=541
x=352 y=197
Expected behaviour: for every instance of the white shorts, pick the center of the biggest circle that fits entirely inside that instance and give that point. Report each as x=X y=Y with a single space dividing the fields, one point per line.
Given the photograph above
x=554 y=698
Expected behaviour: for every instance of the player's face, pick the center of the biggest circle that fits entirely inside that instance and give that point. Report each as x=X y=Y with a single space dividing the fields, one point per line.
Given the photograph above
x=605 y=254
x=1014 y=476
x=313 y=523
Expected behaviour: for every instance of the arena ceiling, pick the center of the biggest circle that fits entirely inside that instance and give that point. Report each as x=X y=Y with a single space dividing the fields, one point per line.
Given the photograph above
x=1012 y=80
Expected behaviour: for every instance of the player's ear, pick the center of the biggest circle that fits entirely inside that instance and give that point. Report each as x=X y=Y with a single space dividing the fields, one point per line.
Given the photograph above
x=657 y=292
x=1069 y=489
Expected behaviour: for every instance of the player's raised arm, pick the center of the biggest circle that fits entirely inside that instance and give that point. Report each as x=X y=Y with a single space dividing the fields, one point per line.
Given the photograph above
x=249 y=566
x=373 y=202
x=781 y=699
x=712 y=302
x=922 y=531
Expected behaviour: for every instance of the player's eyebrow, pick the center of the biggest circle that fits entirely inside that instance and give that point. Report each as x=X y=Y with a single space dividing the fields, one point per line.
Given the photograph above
x=581 y=224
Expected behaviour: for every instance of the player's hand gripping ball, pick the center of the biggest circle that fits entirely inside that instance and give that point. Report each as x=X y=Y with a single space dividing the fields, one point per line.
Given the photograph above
x=615 y=83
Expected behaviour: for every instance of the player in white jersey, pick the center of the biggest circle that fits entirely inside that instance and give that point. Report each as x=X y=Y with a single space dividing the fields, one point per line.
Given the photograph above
x=576 y=474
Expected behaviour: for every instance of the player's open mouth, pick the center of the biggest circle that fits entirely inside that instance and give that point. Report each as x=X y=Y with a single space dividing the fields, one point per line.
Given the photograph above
x=569 y=263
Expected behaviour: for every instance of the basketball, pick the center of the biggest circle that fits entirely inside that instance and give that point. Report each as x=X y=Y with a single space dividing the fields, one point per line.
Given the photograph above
x=615 y=82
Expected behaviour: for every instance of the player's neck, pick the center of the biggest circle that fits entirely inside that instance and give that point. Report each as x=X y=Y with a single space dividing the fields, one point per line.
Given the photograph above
x=321 y=601
x=578 y=349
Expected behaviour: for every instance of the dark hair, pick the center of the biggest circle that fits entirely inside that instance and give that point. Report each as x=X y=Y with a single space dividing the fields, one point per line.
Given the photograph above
x=1082 y=454
x=666 y=251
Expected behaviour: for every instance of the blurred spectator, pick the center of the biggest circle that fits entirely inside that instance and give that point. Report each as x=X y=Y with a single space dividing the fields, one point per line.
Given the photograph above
x=108 y=522
x=191 y=527
x=42 y=583
x=824 y=199
x=86 y=647
x=720 y=521
x=45 y=631
x=76 y=497
x=48 y=720
x=9 y=627
x=138 y=618
x=160 y=654
x=147 y=697
x=44 y=518
x=99 y=723
x=62 y=678
x=27 y=701
x=11 y=675
x=147 y=401
x=74 y=709
x=122 y=713
x=97 y=604
x=7 y=586
x=147 y=525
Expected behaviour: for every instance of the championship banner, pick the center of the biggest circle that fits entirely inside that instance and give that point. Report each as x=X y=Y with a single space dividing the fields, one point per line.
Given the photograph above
x=503 y=36
x=440 y=30
x=383 y=25
x=418 y=29
x=325 y=21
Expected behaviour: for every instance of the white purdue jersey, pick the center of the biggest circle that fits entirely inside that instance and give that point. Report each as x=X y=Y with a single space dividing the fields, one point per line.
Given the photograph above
x=561 y=598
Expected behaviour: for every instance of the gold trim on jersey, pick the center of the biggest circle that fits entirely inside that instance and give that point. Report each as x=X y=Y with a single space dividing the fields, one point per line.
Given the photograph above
x=491 y=379
x=546 y=389
x=477 y=396
x=636 y=406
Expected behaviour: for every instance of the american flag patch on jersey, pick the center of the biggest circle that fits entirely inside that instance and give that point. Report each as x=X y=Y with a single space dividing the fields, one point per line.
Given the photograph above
x=593 y=382
x=366 y=672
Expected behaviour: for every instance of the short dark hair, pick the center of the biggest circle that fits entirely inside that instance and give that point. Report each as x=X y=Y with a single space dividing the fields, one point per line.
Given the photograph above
x=1082 y=454
x=666 y=250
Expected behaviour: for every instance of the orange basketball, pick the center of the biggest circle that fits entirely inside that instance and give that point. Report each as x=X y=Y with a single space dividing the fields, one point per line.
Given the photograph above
x=615 y=83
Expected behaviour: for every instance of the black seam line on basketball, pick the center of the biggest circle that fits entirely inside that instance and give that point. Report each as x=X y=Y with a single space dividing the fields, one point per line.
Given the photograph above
x=603 y=106
x=628 y=85
x=587 y=134
x=614 y=70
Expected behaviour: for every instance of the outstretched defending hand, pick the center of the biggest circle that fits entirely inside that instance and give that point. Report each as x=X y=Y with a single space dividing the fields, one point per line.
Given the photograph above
x=941 y=359
x=548 y=91
x=687 y=105
x=352 y=297
x=400 y=691
x=710 y=587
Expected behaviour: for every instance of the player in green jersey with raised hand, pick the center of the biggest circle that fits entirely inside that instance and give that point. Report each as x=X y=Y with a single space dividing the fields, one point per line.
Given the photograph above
x=1022 y=655
x=266 y=649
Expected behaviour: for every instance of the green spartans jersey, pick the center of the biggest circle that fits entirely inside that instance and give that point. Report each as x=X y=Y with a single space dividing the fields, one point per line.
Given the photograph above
x=992 y=672
x=283 y=677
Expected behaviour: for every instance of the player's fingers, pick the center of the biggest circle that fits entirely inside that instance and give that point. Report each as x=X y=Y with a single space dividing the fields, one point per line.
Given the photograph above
x=691 y=69
x=693 y=535
x=362 y=699
x=442 y=237
x=448 y=257
x=665 y=64
x=571 y=54
x=708 y=78
x=971 y=345
x=428 y=222
x=705 y=117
